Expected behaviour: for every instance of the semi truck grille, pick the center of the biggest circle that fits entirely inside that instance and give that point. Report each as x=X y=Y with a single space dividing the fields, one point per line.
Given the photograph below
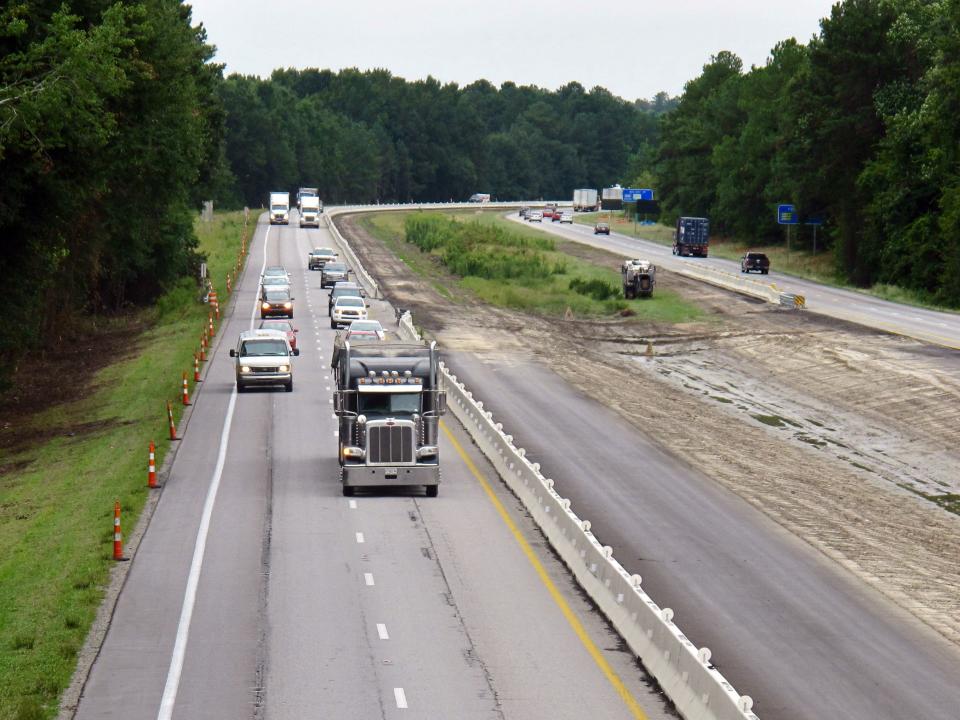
x=390 y=444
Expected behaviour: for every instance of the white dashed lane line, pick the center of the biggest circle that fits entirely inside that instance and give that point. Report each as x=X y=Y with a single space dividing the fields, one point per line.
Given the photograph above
x=353 y=504
x=400 y=697
x=382 y=631
x=368 y=578
x=360 y=538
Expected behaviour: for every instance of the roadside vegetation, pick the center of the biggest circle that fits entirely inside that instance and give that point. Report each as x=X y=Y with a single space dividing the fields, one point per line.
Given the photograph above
x=514 y=267
x=62 y=467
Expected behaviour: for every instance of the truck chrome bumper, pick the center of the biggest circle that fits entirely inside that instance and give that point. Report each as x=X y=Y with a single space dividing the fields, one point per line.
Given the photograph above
x=366 y=476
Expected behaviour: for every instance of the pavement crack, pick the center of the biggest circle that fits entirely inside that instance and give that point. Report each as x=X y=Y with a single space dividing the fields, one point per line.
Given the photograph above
x=263 y=647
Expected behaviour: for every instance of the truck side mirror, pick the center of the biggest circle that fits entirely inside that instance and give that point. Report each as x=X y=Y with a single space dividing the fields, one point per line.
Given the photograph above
x=233 y=353
x=296 y=351
x=337 y=402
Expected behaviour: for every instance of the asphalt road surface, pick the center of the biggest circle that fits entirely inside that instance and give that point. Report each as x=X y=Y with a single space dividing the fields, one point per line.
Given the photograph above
x=941 y=328
x=259 y=591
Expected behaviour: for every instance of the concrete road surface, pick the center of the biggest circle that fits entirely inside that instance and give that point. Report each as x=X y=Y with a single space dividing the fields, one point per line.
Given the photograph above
x=259 y=591
x=941 y=328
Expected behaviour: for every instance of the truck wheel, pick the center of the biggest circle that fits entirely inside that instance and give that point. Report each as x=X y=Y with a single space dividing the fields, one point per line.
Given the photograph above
x=241 y=387
x=349 y=491
x=289 y=386
x=432 y=490
x=333 y=325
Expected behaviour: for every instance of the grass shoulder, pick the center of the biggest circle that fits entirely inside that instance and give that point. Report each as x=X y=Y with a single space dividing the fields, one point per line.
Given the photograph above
x=63 y=466
x=489 y=266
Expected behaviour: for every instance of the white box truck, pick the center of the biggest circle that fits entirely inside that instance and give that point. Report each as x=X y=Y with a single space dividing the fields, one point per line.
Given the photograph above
x=279 y=208
x=585 y=200
x=310 y=211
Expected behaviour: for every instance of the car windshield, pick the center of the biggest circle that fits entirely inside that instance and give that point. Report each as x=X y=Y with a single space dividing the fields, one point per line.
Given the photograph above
x=349 y=302
x=335 y=267
x=323 y=251
x=346 y=292
x=264 y=346
x=382 y=405
x=275 y=280
x=277 y=296
x=282 y=325
x=366 y=325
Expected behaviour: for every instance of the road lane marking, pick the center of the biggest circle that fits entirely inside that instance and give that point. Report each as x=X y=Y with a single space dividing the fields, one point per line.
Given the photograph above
x=382 y=631
x=400 y=697
x=169 y=698
x=353 y=504
x=368 y=578
x=541 y=572
x=360 y=537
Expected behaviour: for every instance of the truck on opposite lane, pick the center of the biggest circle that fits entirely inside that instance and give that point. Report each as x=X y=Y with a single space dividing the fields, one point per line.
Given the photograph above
x=692 y=236
x=389 y=403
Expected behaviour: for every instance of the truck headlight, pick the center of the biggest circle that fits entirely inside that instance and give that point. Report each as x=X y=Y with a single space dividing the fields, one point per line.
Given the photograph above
x=353 y=452
x=265 y=306
x=245 y=369
x=284 y=368
x=427 y=451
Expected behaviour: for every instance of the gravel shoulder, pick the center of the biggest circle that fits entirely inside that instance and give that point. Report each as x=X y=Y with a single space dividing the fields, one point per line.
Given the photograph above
x=844 y=436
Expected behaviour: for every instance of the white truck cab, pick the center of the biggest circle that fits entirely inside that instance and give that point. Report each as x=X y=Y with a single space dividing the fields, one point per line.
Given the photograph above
x=310 y=210
x=279 y=208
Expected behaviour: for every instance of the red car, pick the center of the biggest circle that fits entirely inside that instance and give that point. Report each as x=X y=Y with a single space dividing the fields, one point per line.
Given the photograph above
x=284 y=326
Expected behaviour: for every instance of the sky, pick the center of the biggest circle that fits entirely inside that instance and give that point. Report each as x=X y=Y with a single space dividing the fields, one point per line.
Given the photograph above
x=633 y=49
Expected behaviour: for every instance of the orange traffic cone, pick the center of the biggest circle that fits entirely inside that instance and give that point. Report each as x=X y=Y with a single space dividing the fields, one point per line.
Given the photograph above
x=203 y=346
x=196 y=368
x=186 y=392
x=117 y=535
x=173 y=428
x=152 y=468
x=228 y=284
x=210 y=327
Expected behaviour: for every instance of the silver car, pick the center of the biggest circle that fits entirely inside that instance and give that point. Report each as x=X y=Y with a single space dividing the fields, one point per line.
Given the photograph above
x=263 y=357
x=535 y=216
x=333 y=272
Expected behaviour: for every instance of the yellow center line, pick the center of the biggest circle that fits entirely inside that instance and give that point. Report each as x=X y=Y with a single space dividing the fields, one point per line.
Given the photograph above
x=568 y=613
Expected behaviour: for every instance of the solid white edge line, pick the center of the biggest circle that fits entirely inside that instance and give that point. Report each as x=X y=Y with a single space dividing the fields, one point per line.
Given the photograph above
x=171 y=687
x=400 y=697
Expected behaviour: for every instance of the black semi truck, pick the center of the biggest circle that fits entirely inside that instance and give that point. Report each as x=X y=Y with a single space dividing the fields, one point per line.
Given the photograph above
x=692 y=236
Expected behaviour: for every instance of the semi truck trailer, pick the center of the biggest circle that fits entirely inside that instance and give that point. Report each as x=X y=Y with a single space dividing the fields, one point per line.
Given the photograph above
x=388 y=402
x=692 y=236
x=584 y=200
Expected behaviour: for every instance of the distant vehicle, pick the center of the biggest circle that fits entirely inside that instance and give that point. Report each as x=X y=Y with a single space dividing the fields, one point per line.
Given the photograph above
x=601 y=228
x=566 y=217
x=310 y=209
x=333 y=272
x=319 y=257
x=276 y=303
x=279 y=208
x=365 y=330
x=535 y=216
x=275 y=282
x=523 y=211
x=549 y=211
x=692 y=236
x=284 y=326
x=611 y=198
x=639 y=277
x=584 y=200
x=389 y=418
x=305 y=192
x=479 y=198
x=343 y=289
x=276 y=271
x=754 y=261
x=346 y=310
x=263 y=357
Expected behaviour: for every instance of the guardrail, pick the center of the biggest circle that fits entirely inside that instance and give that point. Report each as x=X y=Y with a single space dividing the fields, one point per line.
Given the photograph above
x=698 y=690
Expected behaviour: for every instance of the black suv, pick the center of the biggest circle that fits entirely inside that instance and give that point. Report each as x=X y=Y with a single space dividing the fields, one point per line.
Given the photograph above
x=753 y=261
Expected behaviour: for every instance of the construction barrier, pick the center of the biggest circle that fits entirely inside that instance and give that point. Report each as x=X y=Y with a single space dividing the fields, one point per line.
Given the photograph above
x=203 y=346
x=173 y=427
x=795 y=302
x=117 y=534
x=152 y=467
x=196 y=368
x=186 y=391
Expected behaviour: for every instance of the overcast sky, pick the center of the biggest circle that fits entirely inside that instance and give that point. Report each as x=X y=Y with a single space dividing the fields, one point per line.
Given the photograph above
x=633 y=49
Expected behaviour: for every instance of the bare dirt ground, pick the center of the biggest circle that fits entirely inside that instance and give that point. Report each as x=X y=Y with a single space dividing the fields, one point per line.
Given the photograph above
x=844 y=436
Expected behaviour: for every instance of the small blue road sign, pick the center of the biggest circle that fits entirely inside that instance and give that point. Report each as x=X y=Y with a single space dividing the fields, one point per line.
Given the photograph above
x=634 y=194
x=787 y=215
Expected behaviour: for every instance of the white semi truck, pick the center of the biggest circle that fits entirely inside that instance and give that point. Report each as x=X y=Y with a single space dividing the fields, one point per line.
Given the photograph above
x=584 y=200
x=310 y=210
x=279 y=208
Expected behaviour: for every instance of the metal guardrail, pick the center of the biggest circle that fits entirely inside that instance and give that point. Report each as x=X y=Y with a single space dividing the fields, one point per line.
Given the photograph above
x=698 y=690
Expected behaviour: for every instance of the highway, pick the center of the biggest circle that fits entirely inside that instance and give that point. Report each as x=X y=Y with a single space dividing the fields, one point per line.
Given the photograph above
x=259 y=591
x=940 y=328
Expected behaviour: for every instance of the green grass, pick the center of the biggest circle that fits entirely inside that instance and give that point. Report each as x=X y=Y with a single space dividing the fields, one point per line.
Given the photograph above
x=799 y=262
x=549 y=295
x=56 y=497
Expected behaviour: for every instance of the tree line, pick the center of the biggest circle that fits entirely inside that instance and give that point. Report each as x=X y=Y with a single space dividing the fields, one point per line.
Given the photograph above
x=115 y=124
x=860 y=128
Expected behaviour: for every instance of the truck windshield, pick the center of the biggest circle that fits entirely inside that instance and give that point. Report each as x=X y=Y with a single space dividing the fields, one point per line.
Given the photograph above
x=276 y=208
x=389 y=405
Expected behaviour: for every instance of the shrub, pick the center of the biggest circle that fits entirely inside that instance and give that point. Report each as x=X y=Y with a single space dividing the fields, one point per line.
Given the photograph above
x=599 y=290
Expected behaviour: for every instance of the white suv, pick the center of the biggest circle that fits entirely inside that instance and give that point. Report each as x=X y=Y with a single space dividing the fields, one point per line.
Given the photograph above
x=264 y=357
x=346 y=309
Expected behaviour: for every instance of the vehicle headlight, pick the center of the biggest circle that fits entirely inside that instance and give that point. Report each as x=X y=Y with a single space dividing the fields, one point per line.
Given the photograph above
x=245 y=369
x=288 y=305
x=353 y=452
x=266 y=306
x=284 y=368
x=427 y=451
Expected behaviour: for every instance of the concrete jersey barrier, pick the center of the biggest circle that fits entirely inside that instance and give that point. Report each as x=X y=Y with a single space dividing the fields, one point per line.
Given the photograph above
x=698 y=690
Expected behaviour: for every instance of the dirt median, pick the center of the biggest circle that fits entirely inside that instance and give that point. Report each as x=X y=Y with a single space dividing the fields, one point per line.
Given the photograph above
x=844 y=436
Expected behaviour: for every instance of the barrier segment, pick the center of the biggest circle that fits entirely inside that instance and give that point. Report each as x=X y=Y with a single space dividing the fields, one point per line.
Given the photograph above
x=186 y=391
x=152 y=467
x=196 y=368
x=117 y=534
x=698 y=690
